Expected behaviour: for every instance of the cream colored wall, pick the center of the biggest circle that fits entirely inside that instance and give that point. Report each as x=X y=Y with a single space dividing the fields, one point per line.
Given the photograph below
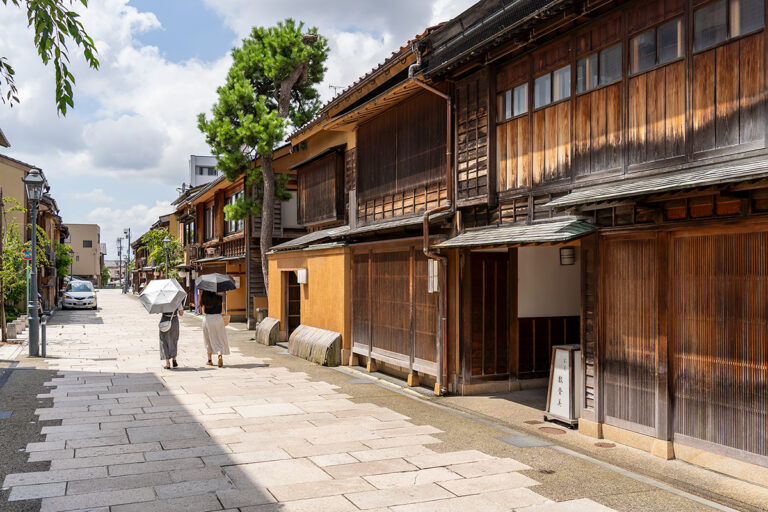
x=546 y=288
x=324 y=299
x=89 y=261
x=10 y=181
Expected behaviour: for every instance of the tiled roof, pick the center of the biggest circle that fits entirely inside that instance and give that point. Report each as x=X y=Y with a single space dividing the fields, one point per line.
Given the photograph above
x=396 y=223
x=555 y=230
x=310 y=238
x=678 y=180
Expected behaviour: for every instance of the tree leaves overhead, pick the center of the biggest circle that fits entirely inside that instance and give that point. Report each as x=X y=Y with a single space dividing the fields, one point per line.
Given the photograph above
x=55 y=25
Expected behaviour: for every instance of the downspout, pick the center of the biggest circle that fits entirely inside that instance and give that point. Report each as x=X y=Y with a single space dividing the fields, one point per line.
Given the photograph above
x=428 y=251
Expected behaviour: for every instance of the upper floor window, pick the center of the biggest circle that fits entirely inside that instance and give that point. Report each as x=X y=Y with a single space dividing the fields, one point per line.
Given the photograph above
x=599 y=68
x=206 y=171
x=725 y=19
x=235 y=226
x=658 y=45
x=209 y=224
x=189 y=233
x=552 y=87
x=513 y=103
x=87 y=243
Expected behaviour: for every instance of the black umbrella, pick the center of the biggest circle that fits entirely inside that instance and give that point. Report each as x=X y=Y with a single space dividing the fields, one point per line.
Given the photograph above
x=215 y=283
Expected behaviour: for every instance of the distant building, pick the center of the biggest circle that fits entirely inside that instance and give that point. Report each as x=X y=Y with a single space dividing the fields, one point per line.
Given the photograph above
x=202 y=170
x=85 y=240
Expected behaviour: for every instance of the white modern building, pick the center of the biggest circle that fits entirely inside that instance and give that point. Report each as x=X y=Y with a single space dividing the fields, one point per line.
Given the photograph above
x=202 y=170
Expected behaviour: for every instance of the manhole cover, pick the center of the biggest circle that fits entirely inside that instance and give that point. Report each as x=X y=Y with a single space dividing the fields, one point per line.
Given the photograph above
x=533 y=422
x=550 y=430
x=605 y=445
x=547 y=471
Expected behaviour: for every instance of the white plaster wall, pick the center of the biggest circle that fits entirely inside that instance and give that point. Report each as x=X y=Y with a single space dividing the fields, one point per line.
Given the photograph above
x=544 y=287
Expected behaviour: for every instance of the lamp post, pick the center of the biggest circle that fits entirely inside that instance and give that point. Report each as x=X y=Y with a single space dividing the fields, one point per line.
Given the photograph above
x=71 y=264
x=34 y=183
x=127 y=233
x=167 y=240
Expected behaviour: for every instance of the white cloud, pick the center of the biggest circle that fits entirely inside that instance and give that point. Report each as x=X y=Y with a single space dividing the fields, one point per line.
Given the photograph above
x=445 y=10
x=138 y=217
x=96 y=195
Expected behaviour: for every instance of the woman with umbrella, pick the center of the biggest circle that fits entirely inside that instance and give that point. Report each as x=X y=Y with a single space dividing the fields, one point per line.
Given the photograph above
x=214 y=332
x=165 y=296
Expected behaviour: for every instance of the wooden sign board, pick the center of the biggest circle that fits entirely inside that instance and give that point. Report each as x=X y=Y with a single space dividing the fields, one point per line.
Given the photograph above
x=565 y=384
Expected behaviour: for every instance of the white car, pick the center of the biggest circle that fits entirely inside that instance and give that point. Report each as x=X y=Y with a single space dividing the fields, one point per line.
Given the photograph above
x=79 y=295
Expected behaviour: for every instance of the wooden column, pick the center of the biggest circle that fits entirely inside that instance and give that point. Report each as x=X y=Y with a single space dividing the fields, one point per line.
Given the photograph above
x=514 y=328
x=664 y=428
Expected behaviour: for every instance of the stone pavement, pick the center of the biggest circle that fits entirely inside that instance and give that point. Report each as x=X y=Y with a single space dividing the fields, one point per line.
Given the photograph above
x=253 y=436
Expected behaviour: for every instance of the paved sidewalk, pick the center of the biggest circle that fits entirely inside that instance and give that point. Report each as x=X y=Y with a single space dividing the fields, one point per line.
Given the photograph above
x=250 y=435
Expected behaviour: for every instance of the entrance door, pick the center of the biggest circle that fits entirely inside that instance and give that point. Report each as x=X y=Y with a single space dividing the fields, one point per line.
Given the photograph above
x=719 y=339
x=292 y=302
x=489 y=310
x=629 y=318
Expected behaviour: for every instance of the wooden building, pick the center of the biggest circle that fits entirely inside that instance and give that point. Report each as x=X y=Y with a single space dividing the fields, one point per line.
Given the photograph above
x=634 y=133
x=213 y=244
x=600 y=178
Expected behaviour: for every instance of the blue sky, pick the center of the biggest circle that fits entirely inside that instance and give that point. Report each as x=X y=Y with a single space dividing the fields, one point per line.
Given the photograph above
x=117 y=158
x=190 y=30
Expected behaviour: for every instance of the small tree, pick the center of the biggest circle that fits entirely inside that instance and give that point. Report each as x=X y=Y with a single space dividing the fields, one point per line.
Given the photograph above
x=63 y=259
x=105 y=275
x=55 y=25
x=270 y=86
x=153 y=241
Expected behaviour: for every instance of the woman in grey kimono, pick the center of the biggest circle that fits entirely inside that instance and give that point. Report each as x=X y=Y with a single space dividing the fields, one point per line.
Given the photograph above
x=169 y=339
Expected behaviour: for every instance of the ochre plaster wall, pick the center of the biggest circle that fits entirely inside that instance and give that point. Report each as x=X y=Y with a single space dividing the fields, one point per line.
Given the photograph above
x=324 y=299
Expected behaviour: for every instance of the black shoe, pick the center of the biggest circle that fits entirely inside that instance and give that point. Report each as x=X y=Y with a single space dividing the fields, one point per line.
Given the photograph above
x=175 y=364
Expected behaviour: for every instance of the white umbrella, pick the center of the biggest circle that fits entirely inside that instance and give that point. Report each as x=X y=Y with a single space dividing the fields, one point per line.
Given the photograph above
x=162 y=296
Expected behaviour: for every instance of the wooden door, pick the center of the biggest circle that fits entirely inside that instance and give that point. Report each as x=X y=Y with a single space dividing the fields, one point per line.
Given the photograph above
x=719 y=339
x=629 y=331
x=489 y=315
x=292 y=302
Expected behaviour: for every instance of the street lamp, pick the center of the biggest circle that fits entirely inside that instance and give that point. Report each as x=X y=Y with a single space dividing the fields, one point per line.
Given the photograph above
x=34 y=183
x=167 y=240
x=71 y=264
x=127 y=233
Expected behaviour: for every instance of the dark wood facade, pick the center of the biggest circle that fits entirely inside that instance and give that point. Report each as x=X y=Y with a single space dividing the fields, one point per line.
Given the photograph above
x=321 y=196
x=673 y=340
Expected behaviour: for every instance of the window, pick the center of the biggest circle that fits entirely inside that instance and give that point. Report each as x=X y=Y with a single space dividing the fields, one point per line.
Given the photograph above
x=542 y=91
x=235 y=226
x=200 y=171
x=659 y=45
x=209 y=216
x=87 y=243
x=552 y=87
x=599 y=68
x=77 y=257
x=513 y=103
x=721 y=20
x=746 y=16
x=189 y=233
x=211 y=171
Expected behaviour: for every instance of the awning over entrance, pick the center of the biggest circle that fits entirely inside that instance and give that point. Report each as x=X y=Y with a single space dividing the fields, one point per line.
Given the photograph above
x=206 y=260
x=677 y=180
x=519 y=234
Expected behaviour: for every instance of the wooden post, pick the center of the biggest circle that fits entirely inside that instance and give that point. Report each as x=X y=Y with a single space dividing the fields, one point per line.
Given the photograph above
x=663 y=446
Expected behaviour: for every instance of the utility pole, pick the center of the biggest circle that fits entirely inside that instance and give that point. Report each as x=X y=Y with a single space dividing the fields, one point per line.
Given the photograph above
x=120 y=260
x=4 y=335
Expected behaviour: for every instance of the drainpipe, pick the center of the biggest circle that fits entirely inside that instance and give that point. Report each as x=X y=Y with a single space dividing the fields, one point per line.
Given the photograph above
x=429 y=252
